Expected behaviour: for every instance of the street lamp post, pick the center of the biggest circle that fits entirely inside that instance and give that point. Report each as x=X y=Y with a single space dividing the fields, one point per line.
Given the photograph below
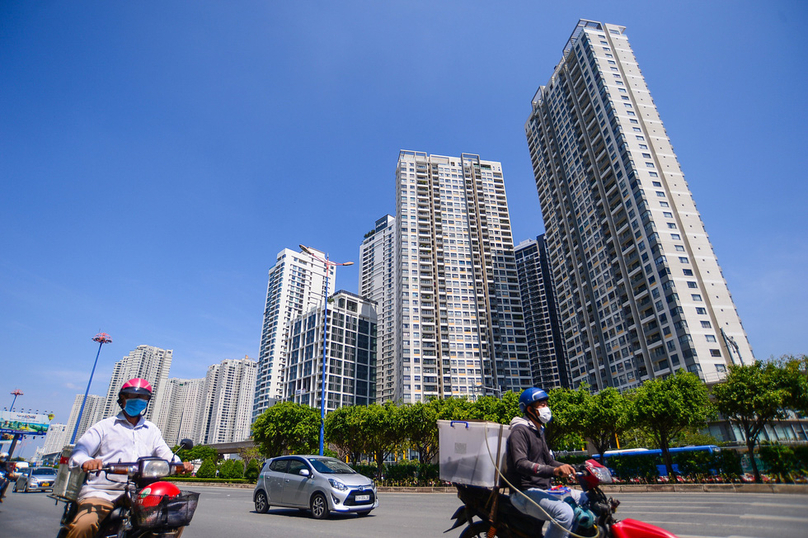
x=328 y=263
x=101 y=338
x=15 y=393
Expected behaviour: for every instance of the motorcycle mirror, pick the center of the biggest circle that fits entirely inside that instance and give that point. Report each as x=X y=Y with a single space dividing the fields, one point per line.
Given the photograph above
x=186 y=444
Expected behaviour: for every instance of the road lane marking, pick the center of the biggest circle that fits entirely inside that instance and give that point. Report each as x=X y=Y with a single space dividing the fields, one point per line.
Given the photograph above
x=776 y=518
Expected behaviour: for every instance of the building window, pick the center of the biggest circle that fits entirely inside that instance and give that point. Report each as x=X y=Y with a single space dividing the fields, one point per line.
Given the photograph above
x=706 y=325
x=696 y=297
x=700 y=310
x=715 y=353
x=710 y=337
x=683 y=259
x=691 y=284
x=687 y=272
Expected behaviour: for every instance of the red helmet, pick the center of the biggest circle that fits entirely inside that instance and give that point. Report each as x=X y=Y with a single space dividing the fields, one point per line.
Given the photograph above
x=152 y=495
x=136 y=387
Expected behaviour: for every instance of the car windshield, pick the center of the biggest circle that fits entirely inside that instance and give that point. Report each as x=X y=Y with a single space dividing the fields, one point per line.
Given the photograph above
x=44 y=472
x=330 y=466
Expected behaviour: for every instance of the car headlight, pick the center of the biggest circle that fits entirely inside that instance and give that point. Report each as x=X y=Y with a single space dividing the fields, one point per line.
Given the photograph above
x=336 y=484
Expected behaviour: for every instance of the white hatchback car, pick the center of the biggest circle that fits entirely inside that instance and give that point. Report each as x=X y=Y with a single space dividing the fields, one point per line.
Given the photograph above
x=317 y=483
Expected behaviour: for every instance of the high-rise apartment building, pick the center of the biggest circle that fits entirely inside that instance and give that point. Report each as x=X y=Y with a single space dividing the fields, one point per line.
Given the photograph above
x=640 y=290
x=548 y=361
x=377 y=278
x=55 y=439
x=460 y=329
x=93 y=412
x=146 y=362
x=227 y=401
x=296 y=284
x=351 y=354
x=184 y=403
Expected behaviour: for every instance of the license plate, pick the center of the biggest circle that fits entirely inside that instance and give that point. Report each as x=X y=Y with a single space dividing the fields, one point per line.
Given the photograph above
x=362 y=498
x=44 y=484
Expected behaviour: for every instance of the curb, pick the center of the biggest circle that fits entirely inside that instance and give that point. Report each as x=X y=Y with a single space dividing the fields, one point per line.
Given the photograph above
x=789 y=489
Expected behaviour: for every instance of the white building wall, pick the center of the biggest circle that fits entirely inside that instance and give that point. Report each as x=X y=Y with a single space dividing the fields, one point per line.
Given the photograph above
x=93 y=412
x=147 y=362
x=229 y=388
x=377 y=282
x=640 y=290
x=56 y=438
x=184 y=400
x=459 y=316
x=296 y=283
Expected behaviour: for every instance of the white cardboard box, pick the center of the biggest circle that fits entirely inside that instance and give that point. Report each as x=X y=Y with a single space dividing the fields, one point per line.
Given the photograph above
x=468 y=450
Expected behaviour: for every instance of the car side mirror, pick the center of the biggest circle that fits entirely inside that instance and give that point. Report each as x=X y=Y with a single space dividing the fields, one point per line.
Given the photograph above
x=304 y=472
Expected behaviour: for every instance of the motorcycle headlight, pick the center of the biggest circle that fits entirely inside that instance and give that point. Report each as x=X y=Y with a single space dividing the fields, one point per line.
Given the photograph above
x=336 y=484
x=154 y=468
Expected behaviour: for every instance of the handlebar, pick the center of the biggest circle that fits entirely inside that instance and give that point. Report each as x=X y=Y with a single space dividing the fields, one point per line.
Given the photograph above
x=153 y=467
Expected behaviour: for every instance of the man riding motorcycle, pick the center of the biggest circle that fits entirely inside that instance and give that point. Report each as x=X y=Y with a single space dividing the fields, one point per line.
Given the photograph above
x=531 y=467
x=125 y=437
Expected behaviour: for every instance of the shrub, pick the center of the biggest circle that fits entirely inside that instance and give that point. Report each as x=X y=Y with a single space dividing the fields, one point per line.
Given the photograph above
x=779 y=460
x=231 y=469
x=207 y=469
x=253 y=470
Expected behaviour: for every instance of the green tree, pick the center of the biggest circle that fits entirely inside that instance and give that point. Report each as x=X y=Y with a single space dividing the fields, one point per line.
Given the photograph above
x=665 y=407
x=287 y=427
x=492 y=409
x=752 y=396
x=253 y=470
x=563 y=432
x=207 y=469
x=795 y=381
x=419 y=424
x=343 y=429
x=381 y=431
x=199 y=452
x=601 y=417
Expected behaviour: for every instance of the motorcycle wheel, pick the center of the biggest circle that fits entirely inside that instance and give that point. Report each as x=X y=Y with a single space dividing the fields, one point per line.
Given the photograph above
x=261 y=503
x=319 y=506
x=478 y=529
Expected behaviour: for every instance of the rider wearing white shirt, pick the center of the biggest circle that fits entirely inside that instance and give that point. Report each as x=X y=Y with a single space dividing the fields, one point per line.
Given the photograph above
x=125 y=437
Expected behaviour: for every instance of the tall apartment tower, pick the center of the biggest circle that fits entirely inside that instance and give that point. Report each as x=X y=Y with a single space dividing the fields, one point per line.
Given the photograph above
x=377 y=282
x=147 y=362
x=460 y=329
x=296 y=284
x=351 y=354
x=228 y=395
x=640 y=290
x=93 y=412
x=548 y=361
x=184 y=401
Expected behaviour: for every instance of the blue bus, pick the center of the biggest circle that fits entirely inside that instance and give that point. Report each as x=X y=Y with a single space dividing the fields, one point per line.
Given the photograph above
x=629 y=452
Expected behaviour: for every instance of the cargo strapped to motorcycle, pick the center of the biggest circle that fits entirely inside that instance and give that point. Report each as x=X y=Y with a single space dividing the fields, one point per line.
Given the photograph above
x=495 y=493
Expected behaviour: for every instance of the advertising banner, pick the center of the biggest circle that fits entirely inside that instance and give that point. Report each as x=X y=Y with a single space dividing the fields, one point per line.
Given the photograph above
x=24 y=423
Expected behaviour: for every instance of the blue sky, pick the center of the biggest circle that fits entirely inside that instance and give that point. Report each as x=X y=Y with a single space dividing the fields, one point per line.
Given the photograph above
x=155 y=157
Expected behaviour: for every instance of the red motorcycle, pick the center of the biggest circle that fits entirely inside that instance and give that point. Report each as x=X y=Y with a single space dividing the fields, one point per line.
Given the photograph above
x=496 y=516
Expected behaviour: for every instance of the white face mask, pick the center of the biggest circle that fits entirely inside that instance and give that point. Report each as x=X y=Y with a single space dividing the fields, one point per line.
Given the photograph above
x=545 y=414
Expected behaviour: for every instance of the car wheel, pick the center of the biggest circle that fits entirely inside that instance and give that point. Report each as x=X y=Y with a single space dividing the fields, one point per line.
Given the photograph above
x=261 y=502
x=14 y=489
x=363 y=513
x=319 y=506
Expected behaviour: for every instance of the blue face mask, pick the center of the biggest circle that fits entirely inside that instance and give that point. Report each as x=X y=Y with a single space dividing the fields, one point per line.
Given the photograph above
x=135 y=407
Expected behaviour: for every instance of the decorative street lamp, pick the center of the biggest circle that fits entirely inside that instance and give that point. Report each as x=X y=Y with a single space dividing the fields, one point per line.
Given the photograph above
x=328 y=263
x=15 y=393
x=101 y=338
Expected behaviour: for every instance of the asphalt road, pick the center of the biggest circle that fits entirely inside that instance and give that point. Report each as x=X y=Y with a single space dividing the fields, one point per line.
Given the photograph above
x=228 y=512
